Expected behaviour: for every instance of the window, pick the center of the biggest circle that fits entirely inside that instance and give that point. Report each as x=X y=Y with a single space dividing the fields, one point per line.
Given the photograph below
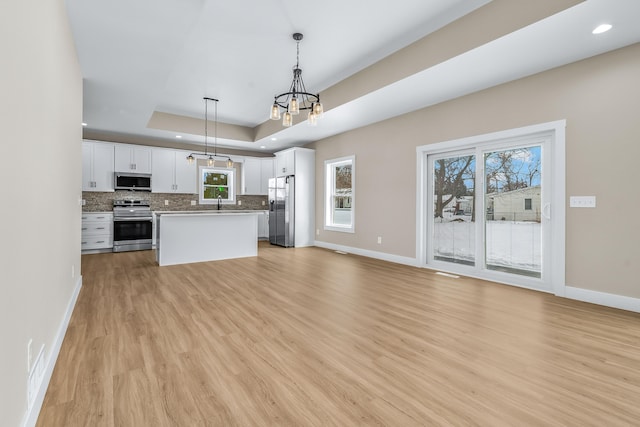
x=340 y=194
x=527 y=204
x=217 y=182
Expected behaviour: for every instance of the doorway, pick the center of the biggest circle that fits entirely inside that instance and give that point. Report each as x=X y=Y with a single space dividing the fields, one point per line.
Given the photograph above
x=492 y=206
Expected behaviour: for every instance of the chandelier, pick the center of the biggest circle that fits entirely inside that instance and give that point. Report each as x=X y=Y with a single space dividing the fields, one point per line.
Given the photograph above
x=211 y=158
x=297 y=98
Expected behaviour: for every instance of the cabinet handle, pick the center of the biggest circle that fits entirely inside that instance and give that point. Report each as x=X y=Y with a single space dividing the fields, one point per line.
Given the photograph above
x=100 y=241
x=84 y=228
x=84 y=243
x=99 y=228
x=100 y=217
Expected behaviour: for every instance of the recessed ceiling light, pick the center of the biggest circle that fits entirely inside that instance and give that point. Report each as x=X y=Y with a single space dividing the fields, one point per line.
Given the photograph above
x=84 y=124
x=263 y=146
x=274 y=139
x=178 y=136
x=602 y=29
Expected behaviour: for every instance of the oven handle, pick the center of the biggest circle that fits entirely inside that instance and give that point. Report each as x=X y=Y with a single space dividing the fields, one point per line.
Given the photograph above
x=132 y=218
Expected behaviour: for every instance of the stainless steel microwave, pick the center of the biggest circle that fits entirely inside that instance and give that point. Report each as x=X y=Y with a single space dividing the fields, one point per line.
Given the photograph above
x=132 y=181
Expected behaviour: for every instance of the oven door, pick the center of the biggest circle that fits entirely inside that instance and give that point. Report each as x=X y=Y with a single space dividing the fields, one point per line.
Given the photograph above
x=131 y=233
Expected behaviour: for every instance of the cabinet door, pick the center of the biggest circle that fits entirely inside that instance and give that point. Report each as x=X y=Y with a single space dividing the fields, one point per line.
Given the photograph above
x=162 y=175
x=102 y=160
x=251 y=176
x=87 y=167
x=186 y=174
x=285 y=163
x=266 y=172
x=122 y=159
x=141 y=159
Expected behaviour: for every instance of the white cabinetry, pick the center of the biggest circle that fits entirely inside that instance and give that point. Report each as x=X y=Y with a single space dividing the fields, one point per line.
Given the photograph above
x=266 y=172
x=304 y=161
x=286 y=162
x=171 y=173
x=257 y=172
x=97 y=166
x=132 y=158
x=251 y=176
x=263 y=225
x=97 y=231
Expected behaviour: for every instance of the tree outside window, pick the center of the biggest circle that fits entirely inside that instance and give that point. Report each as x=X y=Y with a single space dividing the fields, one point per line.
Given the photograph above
x=340 y=194
x=216 y=182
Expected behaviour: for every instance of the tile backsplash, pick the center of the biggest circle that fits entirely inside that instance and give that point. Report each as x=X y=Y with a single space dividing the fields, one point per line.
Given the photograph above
x=103 y=202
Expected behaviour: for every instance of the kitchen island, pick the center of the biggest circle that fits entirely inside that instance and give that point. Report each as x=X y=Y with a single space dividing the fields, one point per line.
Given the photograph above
x=184 y=237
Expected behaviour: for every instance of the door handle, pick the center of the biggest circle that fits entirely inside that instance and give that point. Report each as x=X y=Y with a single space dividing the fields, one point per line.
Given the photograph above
x=546 y=211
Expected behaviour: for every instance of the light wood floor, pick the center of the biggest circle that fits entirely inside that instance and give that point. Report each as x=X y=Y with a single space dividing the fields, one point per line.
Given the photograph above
x=308 y=337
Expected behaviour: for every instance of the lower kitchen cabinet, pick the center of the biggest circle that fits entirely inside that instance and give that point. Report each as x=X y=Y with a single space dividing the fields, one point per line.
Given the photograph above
x=97 y=231
x=263 y=226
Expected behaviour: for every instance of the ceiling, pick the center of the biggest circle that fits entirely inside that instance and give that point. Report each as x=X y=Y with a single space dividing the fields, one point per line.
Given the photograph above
x=149 y=60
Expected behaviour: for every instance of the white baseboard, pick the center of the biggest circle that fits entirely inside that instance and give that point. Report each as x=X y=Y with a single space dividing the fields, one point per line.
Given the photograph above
x=32 y=415
x=603 y=298
x=371 y=254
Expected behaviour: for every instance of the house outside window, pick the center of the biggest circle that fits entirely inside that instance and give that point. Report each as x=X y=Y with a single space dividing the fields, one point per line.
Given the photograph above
x=340 y=194
x=214 y=183
x=527 y=204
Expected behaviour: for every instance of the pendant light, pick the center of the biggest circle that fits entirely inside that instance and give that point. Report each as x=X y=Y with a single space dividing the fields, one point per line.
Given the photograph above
x=211 y=158
x=297 y=98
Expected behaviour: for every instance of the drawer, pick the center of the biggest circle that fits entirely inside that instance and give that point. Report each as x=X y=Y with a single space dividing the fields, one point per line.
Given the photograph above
x=97 y=227
x=96 y=242
x=90 y=217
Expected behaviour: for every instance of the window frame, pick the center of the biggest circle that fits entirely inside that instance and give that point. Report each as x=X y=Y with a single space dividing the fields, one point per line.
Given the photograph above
x=231 y=179
x=329 y=193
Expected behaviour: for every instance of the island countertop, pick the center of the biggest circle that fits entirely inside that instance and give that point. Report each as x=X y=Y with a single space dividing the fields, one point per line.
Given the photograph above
x=210 y=212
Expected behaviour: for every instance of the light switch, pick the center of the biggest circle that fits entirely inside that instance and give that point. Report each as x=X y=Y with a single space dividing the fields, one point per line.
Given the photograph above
x=582 y=201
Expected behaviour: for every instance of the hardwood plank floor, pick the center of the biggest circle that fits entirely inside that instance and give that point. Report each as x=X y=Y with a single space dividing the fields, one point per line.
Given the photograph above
x=308 y=337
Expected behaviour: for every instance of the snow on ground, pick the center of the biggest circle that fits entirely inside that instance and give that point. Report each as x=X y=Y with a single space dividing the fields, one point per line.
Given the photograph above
x=508 y=244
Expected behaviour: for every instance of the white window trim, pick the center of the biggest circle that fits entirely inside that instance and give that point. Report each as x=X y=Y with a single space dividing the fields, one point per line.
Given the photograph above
x=231 y=184
x=557 y=203
x=328 y=194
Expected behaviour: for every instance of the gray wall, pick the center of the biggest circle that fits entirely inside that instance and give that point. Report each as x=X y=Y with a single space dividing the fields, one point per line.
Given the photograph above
x=599 y=98
x=40 y=171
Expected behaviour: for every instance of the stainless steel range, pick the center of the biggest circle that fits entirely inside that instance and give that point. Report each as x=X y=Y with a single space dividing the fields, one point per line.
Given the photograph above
x=132 y=225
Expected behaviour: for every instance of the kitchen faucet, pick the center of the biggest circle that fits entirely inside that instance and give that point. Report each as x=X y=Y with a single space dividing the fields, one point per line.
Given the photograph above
x=219 y=201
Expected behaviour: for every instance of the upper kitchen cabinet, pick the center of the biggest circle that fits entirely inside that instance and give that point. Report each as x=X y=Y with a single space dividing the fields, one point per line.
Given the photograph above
x=257 y=172
x=172 y=173
x=132 y=158
x=286 y=162
x=97 y=166
x=266 y=172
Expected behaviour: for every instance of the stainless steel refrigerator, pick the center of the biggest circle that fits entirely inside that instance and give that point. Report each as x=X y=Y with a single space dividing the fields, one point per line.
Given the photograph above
x=281 y=211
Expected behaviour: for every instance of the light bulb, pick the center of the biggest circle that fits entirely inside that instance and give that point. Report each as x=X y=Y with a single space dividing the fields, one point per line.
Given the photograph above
x=229 y=163
x=317 y=109
x=210 y=161
x=275 y=112
x=312 y=119
x=293 y=106
x=287 y=120
x=190 y=159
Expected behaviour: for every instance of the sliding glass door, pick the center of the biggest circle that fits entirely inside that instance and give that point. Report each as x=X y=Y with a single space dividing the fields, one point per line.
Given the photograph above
x=487 y=210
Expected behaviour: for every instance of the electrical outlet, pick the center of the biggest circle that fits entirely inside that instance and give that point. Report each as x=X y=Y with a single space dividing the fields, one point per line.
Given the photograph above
x=582 y=201
x=263 y=203
x=193 y=203
x=317 y=231
x=239 y=202
x=379 y=240
x=166 y=203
